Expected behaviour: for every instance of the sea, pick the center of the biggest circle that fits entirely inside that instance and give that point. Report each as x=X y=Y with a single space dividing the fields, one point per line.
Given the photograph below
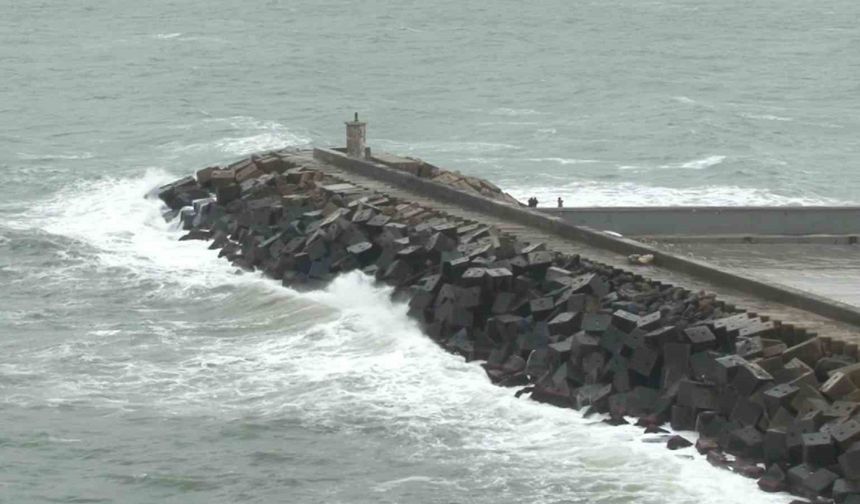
x=138 y=369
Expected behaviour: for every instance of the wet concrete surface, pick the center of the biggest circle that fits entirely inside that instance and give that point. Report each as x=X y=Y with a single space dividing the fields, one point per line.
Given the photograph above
x=828 y=270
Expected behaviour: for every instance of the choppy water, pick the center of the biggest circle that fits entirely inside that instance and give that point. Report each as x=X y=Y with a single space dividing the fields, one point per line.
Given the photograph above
x=134 y=368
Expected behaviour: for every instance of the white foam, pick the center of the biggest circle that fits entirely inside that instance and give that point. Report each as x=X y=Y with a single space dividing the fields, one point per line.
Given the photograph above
x=248 y=135
x=446 y=147
x=701 y=164
x=514 y=112
x=53 y=157
x=562 y=161
x=767 y=117
x=167 y=36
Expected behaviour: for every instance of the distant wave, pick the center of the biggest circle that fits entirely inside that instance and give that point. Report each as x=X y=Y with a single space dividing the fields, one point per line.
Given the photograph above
x=514 y=112
x=251 y=135
x=767 y=117
x=562 y=161
x=51 y=157
x=167 y=36
x=701 y=164
x=447 y=147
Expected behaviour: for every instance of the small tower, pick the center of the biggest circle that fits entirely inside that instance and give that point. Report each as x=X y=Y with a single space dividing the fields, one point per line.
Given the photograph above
x=356 y=136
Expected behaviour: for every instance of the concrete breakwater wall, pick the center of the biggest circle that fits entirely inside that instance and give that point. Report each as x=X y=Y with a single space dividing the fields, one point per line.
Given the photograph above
x=768 y=400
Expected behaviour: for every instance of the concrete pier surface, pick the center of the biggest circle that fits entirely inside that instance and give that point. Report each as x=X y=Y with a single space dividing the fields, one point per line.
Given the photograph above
x=401 y=185
x=830 y=270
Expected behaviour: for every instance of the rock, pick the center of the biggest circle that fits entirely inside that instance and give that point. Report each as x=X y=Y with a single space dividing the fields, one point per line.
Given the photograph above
x=677 y=442
x=773 y=480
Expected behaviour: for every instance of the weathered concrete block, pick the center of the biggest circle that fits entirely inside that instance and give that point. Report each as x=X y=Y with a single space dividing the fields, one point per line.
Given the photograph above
x=650 y=322
x=773 y=480
x=843 y=489
x=841 y=410
x=710 y=424
x=809 y=352
x=699 y=396
x=749 y=348
x=683 y=418
x=564 y=323
x=596 y=395
x=644 y=361
x=819 y=482
x=677 y=356
x=838 y=385
x=818 y=449
x=775 y=446
x=749 y=378
x=554 y=388
x=779 y=396
x=700 y=338
x=624 y=320
x=846 y=433
x=596 y=323
x=746 y=412
x=726 y=368
x=541 y=308
x=746 y=442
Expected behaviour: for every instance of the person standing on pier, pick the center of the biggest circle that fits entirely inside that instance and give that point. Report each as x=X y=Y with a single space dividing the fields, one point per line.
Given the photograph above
x=560 y=202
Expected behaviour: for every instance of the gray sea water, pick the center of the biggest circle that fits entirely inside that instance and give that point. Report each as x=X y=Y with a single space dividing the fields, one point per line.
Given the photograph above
x=136 y=369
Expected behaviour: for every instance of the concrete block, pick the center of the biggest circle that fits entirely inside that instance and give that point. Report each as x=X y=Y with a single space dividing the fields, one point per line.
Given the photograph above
x=650 y=322
x=683 y=418
x=749 y=348
x=808 y=399
x=819 y=482
x=541 y=308
x=700 y=337
x=818 y=449
x=844 y=488
x=503 y=302
x=700 y=396
x=726 y=368
x=644 y=361
x=846 y=433
x=809 y=352
x=773 y=480
x=596 y=323
x=710 y=424
x=612 y=339
x=779 y=396
x=564 y=323
x=837 y=385
x=749 y=378
x=746 y=412
x=775 y=446
x=797 y=474
x=677 y=356
x=746 y=442
x=624 y=320
x=554 y=388
x=596 y=395
x=841 y=409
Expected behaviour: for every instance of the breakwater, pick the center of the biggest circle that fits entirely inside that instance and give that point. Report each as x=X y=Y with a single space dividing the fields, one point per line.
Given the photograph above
x=768 y=400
